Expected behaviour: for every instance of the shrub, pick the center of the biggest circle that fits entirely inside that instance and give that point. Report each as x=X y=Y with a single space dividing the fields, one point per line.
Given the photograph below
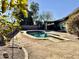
x=73 y=24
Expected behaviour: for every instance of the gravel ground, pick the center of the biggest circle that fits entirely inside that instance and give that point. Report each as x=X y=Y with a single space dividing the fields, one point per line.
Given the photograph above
x=46 y=49
x=16 y=54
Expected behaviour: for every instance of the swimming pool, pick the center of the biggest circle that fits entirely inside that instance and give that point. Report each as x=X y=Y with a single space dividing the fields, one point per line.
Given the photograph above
x=37 y=33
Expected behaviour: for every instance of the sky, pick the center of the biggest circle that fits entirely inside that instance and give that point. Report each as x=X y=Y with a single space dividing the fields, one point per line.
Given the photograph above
x=58 y=8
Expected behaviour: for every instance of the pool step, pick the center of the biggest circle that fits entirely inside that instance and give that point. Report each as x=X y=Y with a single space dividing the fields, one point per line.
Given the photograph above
x=58 y=37
x=53 y=39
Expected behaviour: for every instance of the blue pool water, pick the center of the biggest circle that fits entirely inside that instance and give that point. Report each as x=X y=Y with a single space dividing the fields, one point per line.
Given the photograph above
x=39 y=34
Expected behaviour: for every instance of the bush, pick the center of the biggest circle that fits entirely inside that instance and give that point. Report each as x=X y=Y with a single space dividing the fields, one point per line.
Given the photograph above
x=73 y=24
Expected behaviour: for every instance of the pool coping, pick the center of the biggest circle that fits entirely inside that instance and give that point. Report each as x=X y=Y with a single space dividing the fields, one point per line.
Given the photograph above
x=32 y=37
x=26 y=53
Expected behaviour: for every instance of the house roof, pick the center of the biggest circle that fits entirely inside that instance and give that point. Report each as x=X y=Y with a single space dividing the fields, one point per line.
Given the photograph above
x=65 y=18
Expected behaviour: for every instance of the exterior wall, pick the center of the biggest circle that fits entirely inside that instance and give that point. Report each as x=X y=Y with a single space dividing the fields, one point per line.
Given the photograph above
x=63 y=26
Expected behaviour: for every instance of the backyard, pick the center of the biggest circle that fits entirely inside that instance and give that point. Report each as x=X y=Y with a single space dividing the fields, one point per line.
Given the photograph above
x=39 y=29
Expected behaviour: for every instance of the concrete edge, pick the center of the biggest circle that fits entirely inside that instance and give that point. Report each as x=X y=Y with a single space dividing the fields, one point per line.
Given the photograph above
x=58 y=37
x=32 y=37
x=26 y=53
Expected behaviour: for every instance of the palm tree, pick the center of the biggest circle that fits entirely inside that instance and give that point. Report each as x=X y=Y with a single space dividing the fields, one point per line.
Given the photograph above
x=34 y=7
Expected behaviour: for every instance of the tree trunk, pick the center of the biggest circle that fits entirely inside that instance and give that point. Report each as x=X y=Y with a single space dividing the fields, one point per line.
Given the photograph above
x=2 y=41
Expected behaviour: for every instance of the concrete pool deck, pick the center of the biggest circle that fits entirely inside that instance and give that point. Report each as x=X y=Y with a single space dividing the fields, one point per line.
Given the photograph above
x=47 y=49
x=12 y=52
x=58 y=36
x=32 y=37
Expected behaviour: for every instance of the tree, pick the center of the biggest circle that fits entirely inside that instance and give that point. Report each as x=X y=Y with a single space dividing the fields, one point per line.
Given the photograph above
x=34 y=7
x=45 y=16
x=7 y=27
